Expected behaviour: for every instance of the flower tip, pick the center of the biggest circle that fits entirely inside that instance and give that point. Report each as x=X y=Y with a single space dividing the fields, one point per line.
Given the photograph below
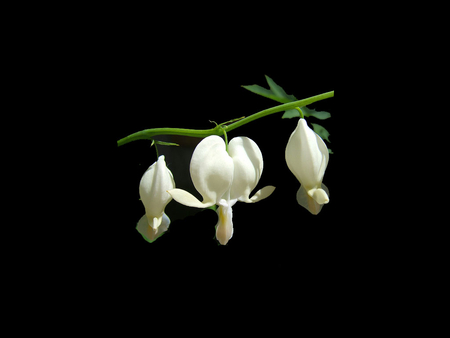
x=147 y=230
x=222 y=239
x=320 y=196
x=224 y=227
x=223 y=234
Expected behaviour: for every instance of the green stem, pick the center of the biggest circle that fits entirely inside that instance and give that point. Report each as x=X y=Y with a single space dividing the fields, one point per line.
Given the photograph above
x=218 y=130
x=226 y=138
x=300 y=111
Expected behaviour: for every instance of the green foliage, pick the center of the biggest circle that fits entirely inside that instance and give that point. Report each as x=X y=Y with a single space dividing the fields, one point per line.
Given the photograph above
x=278 y=94
x=162 y=143
x=321 y=131
x=149 y=134
x=307 y=112
x=275 y=92
x=321 y=115
x=289 y=114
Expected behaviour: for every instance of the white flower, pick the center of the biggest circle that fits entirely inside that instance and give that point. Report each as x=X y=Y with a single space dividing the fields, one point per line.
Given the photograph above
x=153 y=191
x=307 y=157
x=223 y=178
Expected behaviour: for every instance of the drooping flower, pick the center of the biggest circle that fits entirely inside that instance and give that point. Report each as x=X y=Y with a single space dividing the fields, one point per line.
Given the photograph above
x=307 y=157
x=223 y=178
x=153 y=191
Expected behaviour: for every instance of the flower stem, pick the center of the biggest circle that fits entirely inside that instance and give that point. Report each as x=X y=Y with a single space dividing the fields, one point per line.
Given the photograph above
x=300 y=111
x=226 y=138
x=219 y=130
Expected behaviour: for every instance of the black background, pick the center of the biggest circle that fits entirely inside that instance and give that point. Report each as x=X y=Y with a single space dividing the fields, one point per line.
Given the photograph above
x=131 y=83
x=113 y=75
x=188 y=87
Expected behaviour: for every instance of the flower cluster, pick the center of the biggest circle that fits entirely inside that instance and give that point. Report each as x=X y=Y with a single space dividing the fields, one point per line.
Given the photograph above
x=225 y=175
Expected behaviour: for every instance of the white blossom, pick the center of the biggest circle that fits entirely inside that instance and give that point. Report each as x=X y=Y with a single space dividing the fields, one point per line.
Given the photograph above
x=223 y=178
x=307 y=157
x=153 y=191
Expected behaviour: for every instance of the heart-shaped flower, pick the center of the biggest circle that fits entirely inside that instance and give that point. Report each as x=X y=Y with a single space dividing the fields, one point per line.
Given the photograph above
x=153 y=191
x=223 y=178
x=307 y=157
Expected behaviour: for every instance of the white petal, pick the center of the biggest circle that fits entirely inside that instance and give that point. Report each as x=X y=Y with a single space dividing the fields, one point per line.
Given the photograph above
x=186 y=198
x=153 y=189
x=307 y=156
x=224 y=227
x=150 y=234
x=227 y=203
x=248 y=167
x=308 y=202
x=155 y=222
x=262 y=194
x=211 y=169
x=319 y=195
x=324 y=150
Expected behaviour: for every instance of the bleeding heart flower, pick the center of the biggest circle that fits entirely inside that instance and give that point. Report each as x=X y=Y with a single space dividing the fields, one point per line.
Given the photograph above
x=153 y=191
x=223 y=178
x=307 y=157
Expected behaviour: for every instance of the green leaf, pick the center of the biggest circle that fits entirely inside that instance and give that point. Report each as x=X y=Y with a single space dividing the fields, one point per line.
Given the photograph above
x=321 y=115
x=289 y=114
x=162 y=143
x=321 y=131
x=279 y=92
x=261 y=91
x=275 y=92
